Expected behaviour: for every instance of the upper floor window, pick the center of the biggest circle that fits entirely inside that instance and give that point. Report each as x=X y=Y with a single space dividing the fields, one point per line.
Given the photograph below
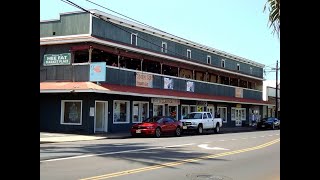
x=238 y=67
x=164 y=47
x=223 y=63
x=188 y=53
x=251 y=71
x=134 y=39
x=209 y=59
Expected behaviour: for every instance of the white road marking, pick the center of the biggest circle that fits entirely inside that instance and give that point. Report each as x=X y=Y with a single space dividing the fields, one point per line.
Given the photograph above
x=262 y=136
x=205 y=146
x=108 y=153
x=244 y=138
x=270 y=135
x=233 y=139
x=221 y=140
x=254 y=137
x=206 y=142
x=277 y=134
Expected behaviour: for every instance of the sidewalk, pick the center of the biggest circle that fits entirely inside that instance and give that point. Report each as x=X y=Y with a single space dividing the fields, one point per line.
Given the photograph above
x=46 y=137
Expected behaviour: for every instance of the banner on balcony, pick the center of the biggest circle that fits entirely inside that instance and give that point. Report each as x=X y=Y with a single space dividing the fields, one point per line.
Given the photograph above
x=144 y=80
x=239 y=92
x=97 y=71
x=190 y=86
x=168 y=83
x=57 y=59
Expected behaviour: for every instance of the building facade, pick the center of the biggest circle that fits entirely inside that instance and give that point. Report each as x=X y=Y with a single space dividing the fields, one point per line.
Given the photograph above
x=102 y=73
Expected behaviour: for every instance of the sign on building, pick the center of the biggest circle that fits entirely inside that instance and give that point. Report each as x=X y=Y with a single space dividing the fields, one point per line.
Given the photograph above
x=144 y=80
x=190 y=86
x=165 y=101
x=97 y=71
x=238 y=92
x=57 y=59
x=168 y=83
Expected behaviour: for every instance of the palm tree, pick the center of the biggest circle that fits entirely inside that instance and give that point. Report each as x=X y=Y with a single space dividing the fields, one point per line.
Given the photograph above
x=274 y=15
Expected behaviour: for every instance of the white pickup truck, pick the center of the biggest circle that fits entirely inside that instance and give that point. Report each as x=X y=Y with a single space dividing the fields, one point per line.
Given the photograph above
x=199 y=121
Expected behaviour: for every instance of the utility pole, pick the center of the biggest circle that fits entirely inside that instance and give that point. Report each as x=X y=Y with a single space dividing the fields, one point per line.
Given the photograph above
x=276 y=113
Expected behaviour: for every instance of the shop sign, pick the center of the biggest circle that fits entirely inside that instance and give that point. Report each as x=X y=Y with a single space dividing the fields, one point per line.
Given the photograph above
x=239 y=92
x=165 y=101
x=57 y=59
x=97 y=71
x=190 y=86
x=168 y=83
x=202 y=103
x=144 y=80
x=238 y=106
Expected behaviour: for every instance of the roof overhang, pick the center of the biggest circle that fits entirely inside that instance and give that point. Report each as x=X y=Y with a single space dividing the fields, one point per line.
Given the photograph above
x=88 y=38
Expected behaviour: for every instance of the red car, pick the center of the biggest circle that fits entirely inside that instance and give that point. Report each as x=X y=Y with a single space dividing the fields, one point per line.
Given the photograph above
x=156 y=126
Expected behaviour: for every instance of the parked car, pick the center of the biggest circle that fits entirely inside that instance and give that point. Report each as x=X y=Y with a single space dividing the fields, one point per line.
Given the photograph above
x=199 y=121
x=156 y=126
x=268 y=123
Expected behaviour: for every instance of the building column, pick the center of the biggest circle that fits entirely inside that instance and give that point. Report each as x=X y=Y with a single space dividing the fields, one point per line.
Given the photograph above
x=193 y=75
x=161 y=68
x=118 y=61
x=239 y=82
x=141 y=64
x=178 y=71
x=90 y=54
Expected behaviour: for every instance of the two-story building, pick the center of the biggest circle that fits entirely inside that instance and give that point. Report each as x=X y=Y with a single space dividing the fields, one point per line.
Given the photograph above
x=102 y=73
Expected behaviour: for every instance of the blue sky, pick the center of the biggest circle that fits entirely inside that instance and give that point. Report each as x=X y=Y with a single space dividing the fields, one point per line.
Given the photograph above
x=237 y=27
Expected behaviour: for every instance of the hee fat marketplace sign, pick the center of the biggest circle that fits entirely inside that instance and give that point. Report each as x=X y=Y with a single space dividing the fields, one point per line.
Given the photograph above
x=57 y=59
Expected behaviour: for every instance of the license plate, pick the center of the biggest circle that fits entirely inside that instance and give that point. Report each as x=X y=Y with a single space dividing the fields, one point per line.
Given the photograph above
x=138 y=131
x=263 y=126
x=184 y=127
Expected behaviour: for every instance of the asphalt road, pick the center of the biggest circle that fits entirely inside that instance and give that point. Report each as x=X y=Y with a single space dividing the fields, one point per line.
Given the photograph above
x=237 y=156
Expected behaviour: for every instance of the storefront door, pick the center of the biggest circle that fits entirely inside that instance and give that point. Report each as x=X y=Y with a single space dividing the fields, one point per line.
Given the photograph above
x=238 y=117
x=211 y=110
x=101 y=116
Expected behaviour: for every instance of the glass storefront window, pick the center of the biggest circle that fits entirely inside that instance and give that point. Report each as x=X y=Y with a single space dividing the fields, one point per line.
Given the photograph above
x=193 y=109
x=121 y=111
x=184 y=111
x=140 y=111
x=173 y=111
x=158 y=110
x=223 y=113
x=71 y=112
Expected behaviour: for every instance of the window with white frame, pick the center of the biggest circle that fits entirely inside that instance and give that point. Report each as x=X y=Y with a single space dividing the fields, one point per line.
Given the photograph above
x=243 y=114
x=164 y=47
x=208 y=59
x=222 y=111
x=71 y=112
x=158 y=110
x=223 y=63
x=188 y=53
x=184 y=111
x=140 y=111
x=121 y=111
x=238 y=67
x=251 y=70
x=134 y=39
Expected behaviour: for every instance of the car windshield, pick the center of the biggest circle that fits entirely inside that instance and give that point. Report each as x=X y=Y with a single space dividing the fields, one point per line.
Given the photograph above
x=193 y=116
x=152 y=119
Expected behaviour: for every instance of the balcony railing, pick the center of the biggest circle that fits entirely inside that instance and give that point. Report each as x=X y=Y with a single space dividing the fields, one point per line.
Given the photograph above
x=122 y=76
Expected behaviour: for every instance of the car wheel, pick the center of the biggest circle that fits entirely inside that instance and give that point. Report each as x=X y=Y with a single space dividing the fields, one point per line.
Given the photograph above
x=158 y=132
x=200 y=129
x=178 y=131
x=217 y=129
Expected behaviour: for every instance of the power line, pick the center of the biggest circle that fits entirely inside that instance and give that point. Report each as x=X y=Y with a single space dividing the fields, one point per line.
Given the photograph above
x=106 y=20
x=100 y=17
